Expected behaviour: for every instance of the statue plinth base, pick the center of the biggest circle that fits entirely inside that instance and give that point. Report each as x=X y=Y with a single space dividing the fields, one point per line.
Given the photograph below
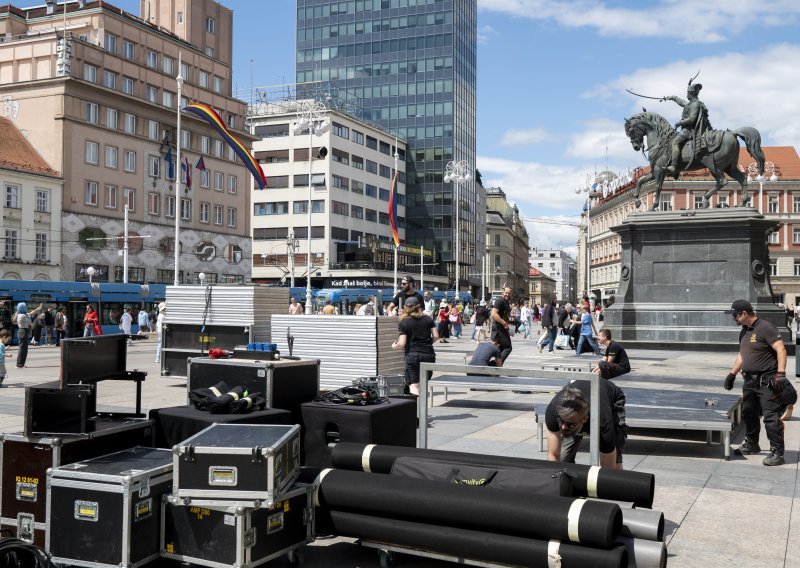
x=681 y=270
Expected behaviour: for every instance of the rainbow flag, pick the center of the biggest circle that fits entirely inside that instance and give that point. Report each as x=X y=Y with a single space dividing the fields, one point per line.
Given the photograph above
x=210 y=116
x=393 y=211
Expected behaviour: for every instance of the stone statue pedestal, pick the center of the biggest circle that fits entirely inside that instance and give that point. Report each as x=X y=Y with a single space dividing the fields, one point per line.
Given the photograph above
x=681 y=270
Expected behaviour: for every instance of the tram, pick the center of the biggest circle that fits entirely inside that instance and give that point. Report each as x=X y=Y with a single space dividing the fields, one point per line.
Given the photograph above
x=109 y=299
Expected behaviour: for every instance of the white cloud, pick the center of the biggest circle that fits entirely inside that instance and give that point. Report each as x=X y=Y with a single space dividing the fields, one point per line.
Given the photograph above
x=550 y=236
x=758 y=89
x=602 y=140
x=484 y=34
x=687 y=20
x=515 y=137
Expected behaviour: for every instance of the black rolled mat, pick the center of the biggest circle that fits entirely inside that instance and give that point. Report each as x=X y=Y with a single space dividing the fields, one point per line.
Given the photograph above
x=589 y=481
x=475 y=545
x=528 y=515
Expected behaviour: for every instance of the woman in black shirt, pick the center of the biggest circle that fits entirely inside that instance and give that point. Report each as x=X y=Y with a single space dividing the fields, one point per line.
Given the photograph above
x=417 y=336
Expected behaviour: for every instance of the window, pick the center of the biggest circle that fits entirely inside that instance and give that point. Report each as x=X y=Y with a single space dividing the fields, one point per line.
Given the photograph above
x=357 y=212
x=186 y=209
x=169 y=207
x=12 y=244
x=186 y=139
x=357 y=137
x=698 y=201
x=339 y=234
x=385 y=148
x=110 y=43
x=218 y=148
x=209 y=51
x=203 y=79
x=154 y=166
x=167 y=65
x=204 y=178
x=92 y=153
x=41 y=247
x=372 y=142
x=371 y=215
x=384 y=194
x=151 y=93
x=185 y=72
x=336 y=181
x=218 y=214
x=92 y=113
x=301 y=207
x=180 y=17
x=219 y=181
x=385 y=171
x=90 y=193
x=371 y=191
x=339 y=208
x=217 y=84
x=153 y=203
x=231 y=216
x=383 y=218
x=232 y=183
x=357 y=187
x=722 y=201
x=277 y=182
x=128 y=86
x=151 y=59
x=357 y=162
x=130 y=123
x=773 y=268
x=130 y=196
x=112 y=118
x=128 y=49
x=340 y=130
x=774 y=238
x=372 y=167
x=796 y=204
x=666 y=202
x=112 y=155
x=89 y=73
x=797 y=267
x=205 y=145
x=111 y=197
x=109 y=79
x=273 y=208
x=12 y=196
x=340 y=156
x=205 y=209
x=772 y=204
x=43 y=201
x=211 y=25
x=167 y=99
x=796 y=236
x=130 y=161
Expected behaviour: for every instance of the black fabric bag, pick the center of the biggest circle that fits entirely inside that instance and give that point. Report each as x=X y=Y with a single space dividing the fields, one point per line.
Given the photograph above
x=200 y=397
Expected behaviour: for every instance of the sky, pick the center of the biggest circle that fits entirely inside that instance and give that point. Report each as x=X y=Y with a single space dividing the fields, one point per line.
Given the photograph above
x=552 y=75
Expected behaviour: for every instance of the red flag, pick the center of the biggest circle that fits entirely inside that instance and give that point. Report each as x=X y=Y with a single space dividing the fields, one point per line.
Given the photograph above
x=393 y=211
x=201 y=164
x=188 y=169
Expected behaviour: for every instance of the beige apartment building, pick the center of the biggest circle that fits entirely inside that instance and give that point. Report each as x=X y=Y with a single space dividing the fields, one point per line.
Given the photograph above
x=95 y=92
x=507 y=246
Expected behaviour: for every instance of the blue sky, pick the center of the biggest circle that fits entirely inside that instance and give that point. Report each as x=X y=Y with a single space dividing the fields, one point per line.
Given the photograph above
x=552 y=77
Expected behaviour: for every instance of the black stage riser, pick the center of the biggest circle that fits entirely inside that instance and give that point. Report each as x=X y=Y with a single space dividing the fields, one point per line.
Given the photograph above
x=591 y=523
x=589 y=481
x=476 y=545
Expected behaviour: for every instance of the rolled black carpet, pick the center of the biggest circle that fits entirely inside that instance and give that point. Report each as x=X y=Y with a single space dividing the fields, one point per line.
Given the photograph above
x=221 y=404
x=588 y=481
x=447 y=504
x=200 y=397
x=250 y=403
x=477 y=545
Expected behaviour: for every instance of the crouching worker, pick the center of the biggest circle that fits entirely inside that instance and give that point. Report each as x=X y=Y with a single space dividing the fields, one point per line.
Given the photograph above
x=615 y=362
x=487 y=354
x=567 y=420
x=417 y=334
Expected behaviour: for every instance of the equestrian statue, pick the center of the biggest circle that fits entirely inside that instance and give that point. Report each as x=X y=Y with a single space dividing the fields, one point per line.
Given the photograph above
x=692 y=145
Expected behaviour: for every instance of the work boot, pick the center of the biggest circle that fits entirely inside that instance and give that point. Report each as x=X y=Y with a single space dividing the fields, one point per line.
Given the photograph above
x=747 y=448
x=775 y=457
x=787 y=413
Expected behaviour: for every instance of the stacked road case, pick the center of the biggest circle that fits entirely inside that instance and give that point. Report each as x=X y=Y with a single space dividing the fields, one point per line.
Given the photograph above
x=234 y=498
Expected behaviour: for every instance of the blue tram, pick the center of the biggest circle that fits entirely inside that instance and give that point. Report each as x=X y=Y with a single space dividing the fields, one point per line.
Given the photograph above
x=109 y=299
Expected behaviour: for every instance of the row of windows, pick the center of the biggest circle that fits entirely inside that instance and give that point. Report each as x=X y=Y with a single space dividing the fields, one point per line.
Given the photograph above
x=378 y=25
x=385 y=70
x=13 y=198
x=156 y=131
x=11 y=249
x=342 y=7
x=318 y=180
x=317 y=232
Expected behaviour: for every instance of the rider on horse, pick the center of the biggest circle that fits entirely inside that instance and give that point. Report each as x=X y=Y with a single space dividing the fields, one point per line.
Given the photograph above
x=693 y=124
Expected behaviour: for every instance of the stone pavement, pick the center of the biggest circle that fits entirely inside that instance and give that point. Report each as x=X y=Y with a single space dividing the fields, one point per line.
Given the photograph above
x=718 y=513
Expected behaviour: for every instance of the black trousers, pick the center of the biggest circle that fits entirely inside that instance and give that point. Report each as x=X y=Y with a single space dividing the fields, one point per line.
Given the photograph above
x=759 y=401
x=611 y=370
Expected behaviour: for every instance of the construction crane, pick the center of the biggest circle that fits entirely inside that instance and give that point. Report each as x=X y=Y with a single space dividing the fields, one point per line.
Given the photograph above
x=551 y=221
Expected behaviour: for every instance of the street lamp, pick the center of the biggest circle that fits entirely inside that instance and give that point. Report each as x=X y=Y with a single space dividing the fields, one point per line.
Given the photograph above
x=457 y=173
x=177 y=169
x=90 y=271
x=201 y=277
x=587 y=188
x=312 y=115
x=753 y=175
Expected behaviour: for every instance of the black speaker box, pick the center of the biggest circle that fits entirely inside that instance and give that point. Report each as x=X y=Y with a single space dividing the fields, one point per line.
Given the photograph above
x=393 y=422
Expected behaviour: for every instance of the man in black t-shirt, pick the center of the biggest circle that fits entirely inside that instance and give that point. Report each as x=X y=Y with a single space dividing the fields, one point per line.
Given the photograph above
x=407 y=290
x=501 y=314
x=567 y=420
x=615 y=362
x=487 y=354
x=766 y=392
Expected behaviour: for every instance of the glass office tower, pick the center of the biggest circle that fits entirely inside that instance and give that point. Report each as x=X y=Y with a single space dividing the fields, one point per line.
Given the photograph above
x=410 y=67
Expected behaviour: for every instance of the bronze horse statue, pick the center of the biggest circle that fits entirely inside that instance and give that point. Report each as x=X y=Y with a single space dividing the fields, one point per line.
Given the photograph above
x=721 y=158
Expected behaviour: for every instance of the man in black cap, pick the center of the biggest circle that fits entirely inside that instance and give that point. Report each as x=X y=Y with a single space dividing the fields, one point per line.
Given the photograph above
x=766 y=391
x=407 y=290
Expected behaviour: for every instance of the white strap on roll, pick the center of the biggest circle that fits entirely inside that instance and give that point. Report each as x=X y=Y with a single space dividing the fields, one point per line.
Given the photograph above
x=591 y=481
x=215 y=391
x=317 y=482
x=365 y=458
x=573 y=518
x=553 y=557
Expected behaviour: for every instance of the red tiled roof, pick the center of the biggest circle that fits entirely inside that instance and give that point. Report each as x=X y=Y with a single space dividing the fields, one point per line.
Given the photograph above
x=16 y=153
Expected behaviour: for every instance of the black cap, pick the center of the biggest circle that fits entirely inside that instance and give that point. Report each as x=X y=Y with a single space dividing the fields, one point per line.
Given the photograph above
x=410 y=279
x=740 y=306
x=412 y=302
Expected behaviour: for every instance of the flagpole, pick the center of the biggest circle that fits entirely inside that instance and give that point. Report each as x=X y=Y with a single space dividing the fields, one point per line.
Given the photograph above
x=421 y=268
x=177 y=170
x=125 y=243
x=396 y=247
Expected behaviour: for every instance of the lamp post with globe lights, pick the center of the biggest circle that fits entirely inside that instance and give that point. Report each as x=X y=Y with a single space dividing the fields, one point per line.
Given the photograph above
x=311 y=116
x=457 y=173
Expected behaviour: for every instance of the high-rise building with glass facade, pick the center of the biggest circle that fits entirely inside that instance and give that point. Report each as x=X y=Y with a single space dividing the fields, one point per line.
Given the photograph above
x=409 y=66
